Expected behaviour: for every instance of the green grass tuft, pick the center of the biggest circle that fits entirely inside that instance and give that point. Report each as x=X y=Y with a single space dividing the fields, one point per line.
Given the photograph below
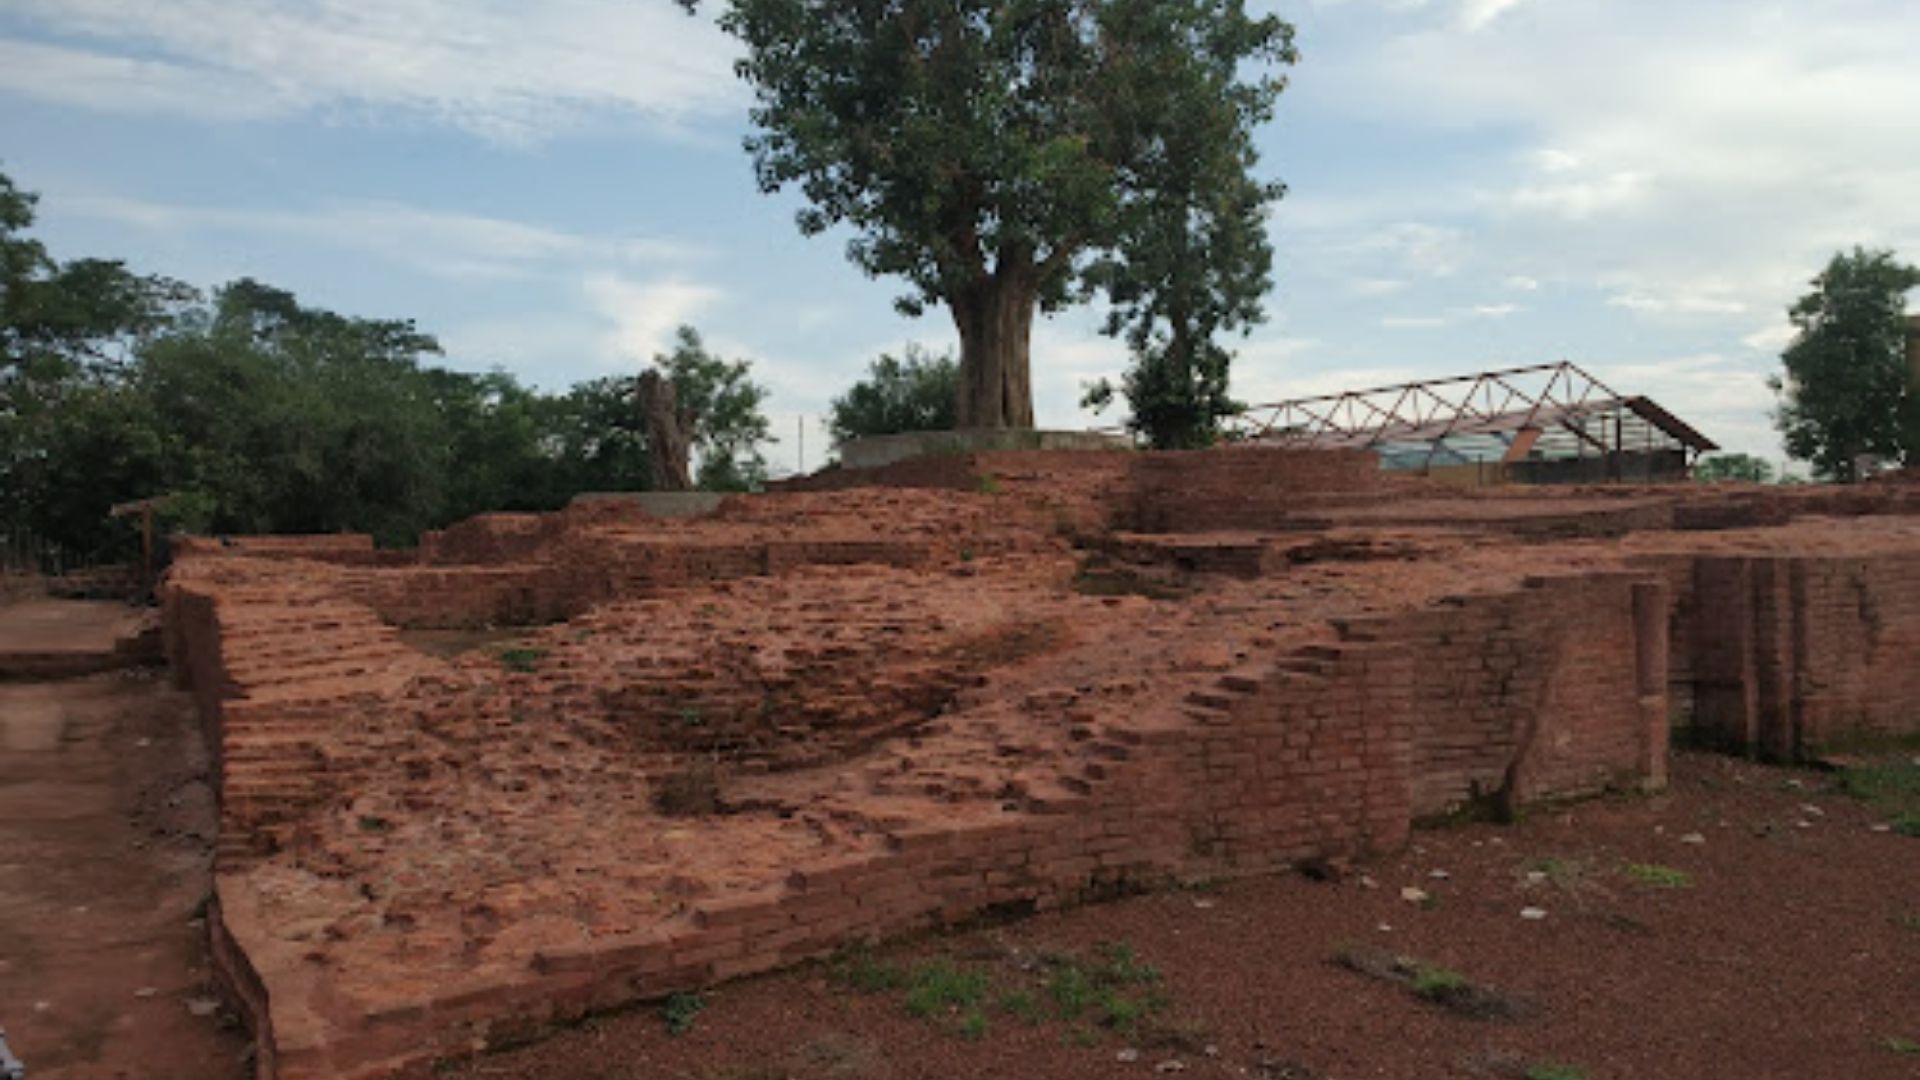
x=1665 y=877
x=680 y=1009
x=521 y=658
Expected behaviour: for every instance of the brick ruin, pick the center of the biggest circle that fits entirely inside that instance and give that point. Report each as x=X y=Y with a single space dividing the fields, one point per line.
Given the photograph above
x=1003 y=682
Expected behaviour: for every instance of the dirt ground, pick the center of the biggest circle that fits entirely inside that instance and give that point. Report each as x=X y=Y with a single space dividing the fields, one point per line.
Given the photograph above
x=1752 y=922
x=106 y=823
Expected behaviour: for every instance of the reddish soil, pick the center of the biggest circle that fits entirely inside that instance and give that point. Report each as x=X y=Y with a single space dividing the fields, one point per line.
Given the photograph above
x=106 y=823
x=1793 y=951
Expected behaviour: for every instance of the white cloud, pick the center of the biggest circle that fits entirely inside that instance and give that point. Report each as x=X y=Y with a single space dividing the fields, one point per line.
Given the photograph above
x=440 y=243
x=1771 y=340
x=1578 y=200
x=93 y=80
x=1377 y=286
x=1417 y=248
x=1678 y=304
x=1475 y=14
x=1741 y=142
x=1522 y=283
x=1453 y=316
x=1726 y=399
x=505 y=70
x=643 y=315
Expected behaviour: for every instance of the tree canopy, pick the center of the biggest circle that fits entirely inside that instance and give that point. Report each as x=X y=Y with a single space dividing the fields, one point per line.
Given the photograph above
x=913 y=393
x=255 y=412
x=1739 y=468
x=1847 y=390
x=725 y=403
x=1004 y=156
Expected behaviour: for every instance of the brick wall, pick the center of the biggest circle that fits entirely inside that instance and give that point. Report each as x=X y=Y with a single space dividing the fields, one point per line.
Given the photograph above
x=1328 y=750
x=1240 y=487
x=1779 y=655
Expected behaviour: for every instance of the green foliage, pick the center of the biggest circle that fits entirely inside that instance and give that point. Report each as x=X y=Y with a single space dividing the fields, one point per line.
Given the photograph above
x=725 y=404
x=1847 y=389
x=938 y=987
x=253 y=412
x=1556 y=1072
x=521 y=658
x=1741 y=468
x=1112 y=989
x=1665 y=877
x=1437 y=982
x=858 y=968
x=916 y=393
x=680 y=1009
x=1891 y=786
x=1002 y=156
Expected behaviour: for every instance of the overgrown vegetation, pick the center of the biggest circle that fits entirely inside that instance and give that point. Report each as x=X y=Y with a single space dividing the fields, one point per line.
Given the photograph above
x=253 y=412
x=1110 y=989
x=1891 y=785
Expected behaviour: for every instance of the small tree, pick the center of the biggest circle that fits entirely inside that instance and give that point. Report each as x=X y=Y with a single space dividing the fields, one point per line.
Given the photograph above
x=1736 y=468
x=914 y=394
x=724 y=405
x=1848 y=390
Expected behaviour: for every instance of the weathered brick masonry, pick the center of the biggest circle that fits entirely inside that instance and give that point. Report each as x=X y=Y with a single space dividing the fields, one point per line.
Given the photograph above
x=915 y=717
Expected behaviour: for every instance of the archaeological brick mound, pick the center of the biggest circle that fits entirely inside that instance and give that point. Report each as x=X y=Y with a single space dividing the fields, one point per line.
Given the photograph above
x=645 y=755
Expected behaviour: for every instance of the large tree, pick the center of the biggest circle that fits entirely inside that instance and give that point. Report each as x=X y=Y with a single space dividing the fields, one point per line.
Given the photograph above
x=989 y=151
x=1848 y=390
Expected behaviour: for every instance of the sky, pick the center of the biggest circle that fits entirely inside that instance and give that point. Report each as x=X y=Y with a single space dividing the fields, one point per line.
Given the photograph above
x=1640 y=187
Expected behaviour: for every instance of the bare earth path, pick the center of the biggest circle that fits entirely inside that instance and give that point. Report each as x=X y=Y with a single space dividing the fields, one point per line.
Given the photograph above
x=1788 y=950
x=105 y=819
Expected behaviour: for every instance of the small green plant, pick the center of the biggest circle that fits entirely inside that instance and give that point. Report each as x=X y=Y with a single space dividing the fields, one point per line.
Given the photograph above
x=972 y=1026
x=521 y=658
x=689 y=716
x=1434 y=983
x=1903 y=1047
x=372 y=824
x=988 y=485
x=680 y=1010
x=938 y=986
x=1665 y=877
x=1070 y=990
x=966 y=554
x=1891 y=787
x=1556 y=1072
x=1020 y=1004
x=858 y=969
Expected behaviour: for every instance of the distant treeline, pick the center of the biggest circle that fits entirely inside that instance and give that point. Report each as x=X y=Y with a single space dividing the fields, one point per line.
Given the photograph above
x=254 y=413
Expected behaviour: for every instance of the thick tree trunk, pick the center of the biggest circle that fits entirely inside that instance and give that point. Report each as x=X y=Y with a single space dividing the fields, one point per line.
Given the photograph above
x=669 y=433
x=995 y=320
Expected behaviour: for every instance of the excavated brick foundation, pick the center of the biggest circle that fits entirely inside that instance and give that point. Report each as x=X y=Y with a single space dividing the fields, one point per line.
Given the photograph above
x=990 y=684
